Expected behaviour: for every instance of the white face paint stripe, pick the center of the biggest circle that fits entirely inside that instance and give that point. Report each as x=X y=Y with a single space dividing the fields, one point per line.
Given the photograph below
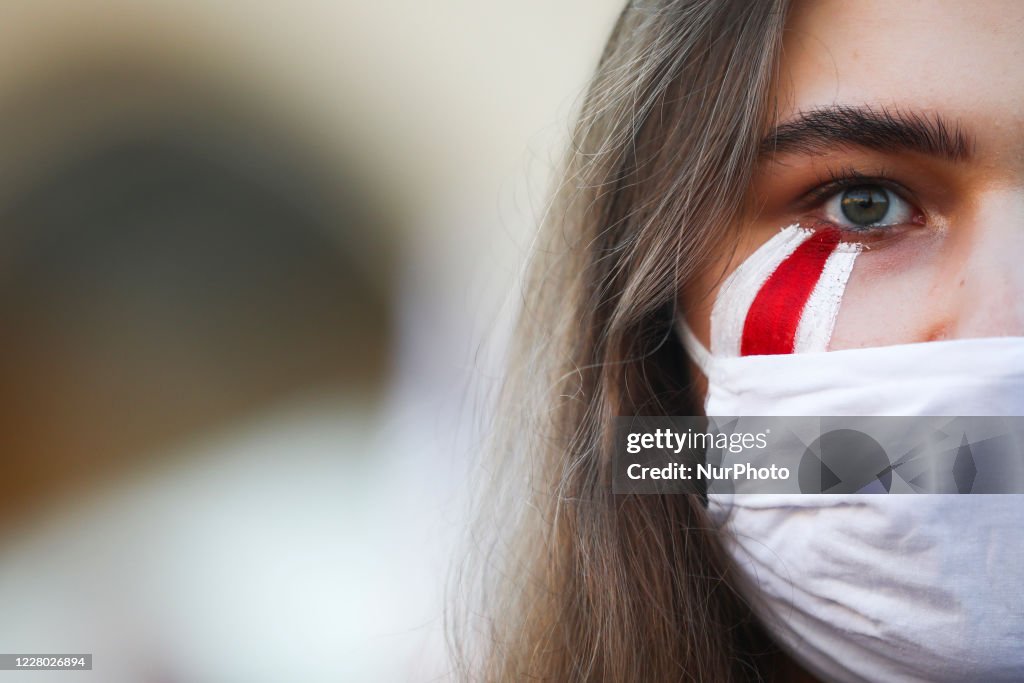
x=818 y=319
x=739 y=289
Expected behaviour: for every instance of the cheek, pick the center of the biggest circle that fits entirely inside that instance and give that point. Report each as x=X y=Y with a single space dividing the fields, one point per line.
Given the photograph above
x=958 y=283
x=898 y=295
x=919 y=286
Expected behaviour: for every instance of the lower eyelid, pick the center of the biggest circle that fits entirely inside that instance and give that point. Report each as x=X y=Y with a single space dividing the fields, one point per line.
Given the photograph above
x=870 y=237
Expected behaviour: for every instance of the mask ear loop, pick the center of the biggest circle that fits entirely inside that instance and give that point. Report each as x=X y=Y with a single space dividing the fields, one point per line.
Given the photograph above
x=698 y=352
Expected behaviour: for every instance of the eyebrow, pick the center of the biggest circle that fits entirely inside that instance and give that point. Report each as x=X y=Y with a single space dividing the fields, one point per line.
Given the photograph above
x=819 y=130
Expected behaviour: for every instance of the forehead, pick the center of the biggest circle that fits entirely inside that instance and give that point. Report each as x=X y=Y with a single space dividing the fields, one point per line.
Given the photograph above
x=963 y=59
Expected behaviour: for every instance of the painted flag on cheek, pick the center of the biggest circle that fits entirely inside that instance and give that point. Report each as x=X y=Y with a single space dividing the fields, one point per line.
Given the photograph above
x=785 y=297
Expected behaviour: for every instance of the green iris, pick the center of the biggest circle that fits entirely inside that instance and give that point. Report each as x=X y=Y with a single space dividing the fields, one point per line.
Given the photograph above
x=865 y=204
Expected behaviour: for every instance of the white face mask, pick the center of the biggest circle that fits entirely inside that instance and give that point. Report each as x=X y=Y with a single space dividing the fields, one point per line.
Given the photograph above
x=880 y=587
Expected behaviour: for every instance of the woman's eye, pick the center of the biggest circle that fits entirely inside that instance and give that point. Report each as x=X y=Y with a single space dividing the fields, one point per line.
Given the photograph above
x=867 y=206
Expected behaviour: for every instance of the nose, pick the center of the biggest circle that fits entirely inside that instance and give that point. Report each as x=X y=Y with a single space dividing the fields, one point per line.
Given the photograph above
x=990 y=283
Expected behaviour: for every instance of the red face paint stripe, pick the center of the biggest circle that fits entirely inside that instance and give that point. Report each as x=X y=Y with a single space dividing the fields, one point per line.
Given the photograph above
x=771 y=323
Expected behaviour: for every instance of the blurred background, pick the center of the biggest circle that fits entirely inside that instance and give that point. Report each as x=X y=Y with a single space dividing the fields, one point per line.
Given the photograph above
x=255 y=272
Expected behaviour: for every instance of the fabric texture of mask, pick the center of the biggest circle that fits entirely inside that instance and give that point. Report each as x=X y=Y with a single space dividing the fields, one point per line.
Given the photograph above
x=880 y=587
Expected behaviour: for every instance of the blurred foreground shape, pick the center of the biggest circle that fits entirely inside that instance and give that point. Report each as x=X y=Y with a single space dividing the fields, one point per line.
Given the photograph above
x=171 y=262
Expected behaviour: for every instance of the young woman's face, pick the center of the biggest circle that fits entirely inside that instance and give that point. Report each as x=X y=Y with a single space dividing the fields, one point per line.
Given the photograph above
x=902 y=125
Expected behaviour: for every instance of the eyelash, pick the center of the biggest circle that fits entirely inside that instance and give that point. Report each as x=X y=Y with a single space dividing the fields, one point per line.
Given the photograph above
x=846 y=177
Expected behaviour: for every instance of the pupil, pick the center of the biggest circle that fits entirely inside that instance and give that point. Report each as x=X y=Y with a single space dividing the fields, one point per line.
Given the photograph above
x=865 y=205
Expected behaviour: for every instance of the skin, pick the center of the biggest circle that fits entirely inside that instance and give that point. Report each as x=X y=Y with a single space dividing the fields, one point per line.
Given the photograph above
x=954 y=271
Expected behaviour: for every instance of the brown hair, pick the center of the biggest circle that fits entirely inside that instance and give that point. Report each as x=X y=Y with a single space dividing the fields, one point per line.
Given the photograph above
x=581 y=584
